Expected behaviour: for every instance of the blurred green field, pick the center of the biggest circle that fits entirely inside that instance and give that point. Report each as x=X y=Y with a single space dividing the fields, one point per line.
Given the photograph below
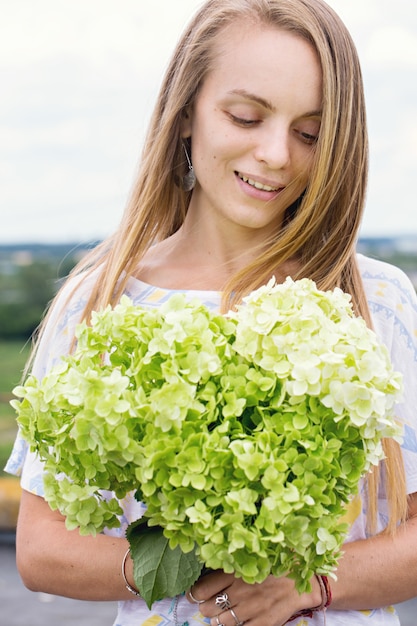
x=13 y=356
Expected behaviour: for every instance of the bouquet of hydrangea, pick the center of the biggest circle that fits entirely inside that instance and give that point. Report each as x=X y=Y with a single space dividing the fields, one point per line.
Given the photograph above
x=245 y=435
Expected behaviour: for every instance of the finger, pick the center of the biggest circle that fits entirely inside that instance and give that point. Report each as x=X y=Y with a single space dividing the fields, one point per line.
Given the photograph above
x=227 y=618
x=192 y=598
x=208 y=587
x=238 y=622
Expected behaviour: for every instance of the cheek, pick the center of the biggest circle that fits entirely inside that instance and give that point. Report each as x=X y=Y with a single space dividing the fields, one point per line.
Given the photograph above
x=210 y=149
x=304 y=165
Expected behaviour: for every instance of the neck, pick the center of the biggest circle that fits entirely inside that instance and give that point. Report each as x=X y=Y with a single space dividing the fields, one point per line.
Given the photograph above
x=204 y=254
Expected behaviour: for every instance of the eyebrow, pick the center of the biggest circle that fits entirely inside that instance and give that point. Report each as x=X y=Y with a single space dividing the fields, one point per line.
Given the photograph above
x=251 y=96
x=247 y=95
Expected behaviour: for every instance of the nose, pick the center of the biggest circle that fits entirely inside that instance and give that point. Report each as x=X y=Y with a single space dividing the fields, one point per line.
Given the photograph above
x=273 y=148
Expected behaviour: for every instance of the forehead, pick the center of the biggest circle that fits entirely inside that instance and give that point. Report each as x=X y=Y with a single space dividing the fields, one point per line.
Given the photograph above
x=266 y=59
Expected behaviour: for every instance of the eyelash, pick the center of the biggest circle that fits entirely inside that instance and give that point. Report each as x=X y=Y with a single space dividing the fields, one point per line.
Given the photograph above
x=245 y=123
x=308 y=139
x=240 y=121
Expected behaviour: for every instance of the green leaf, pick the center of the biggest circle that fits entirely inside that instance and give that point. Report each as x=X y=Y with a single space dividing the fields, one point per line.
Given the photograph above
x=158 y=571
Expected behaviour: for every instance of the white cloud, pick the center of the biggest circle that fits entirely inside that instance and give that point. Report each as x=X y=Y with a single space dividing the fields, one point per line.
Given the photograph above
x=78 y=83
x=355 y=12
x=392 y=47
x=92 y=30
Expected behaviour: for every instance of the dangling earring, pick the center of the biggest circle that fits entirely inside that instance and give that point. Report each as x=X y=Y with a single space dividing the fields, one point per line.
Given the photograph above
x=189 y=180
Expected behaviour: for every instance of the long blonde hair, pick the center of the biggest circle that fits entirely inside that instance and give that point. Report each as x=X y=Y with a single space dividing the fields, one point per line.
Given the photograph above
x=321 y=229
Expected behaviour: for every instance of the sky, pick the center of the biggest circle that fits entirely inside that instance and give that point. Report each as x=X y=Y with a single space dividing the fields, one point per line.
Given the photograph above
x=79 y=79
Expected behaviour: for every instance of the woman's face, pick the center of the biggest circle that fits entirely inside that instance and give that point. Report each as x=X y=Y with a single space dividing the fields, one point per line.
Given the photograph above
x=254 y=125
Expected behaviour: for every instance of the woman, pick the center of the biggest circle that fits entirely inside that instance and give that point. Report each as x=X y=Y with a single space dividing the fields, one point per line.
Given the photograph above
x=255 y=166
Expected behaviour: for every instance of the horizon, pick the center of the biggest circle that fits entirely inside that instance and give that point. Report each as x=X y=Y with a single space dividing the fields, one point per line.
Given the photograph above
x=96 y=240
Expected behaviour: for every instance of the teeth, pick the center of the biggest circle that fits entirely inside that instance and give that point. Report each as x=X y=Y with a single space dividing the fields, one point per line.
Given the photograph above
x=255 y=183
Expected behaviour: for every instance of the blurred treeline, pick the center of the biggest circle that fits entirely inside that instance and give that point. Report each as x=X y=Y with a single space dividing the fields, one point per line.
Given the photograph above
x=29 y=278
x=31 y=274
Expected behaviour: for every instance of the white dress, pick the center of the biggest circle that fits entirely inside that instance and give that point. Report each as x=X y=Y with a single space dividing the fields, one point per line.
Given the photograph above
x=393 y=305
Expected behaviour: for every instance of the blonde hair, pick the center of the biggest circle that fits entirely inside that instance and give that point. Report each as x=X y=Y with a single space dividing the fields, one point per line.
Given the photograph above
x=321 y=228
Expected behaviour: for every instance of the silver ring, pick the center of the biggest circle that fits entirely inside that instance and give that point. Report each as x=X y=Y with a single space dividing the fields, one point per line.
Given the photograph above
x=194 y=599
x=218 y=622
x=235 y=617
x=222 y=601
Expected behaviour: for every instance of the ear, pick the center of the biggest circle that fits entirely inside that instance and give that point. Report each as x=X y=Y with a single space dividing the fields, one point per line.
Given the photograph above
x=186 y=123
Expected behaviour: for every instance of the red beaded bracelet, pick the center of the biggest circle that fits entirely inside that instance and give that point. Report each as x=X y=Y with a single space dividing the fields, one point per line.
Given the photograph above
x=326 y=598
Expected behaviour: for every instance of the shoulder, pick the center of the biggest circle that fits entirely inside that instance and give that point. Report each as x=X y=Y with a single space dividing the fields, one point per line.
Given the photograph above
x=387 y=285
x=392 y=302
x=64 y=314
x=69 y=304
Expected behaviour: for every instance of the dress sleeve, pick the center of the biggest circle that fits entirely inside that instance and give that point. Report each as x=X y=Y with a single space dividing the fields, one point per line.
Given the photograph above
x=393 y=304
x=55 y=343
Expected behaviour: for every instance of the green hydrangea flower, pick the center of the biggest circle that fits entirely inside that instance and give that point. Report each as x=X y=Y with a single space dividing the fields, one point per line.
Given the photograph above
x=245 y=435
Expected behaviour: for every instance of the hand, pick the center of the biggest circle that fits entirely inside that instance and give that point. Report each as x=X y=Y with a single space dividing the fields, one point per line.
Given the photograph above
x=229 y=601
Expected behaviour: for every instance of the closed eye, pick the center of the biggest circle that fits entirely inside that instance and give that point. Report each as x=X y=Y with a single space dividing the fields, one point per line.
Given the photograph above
x=308 y=138
x=241 y=121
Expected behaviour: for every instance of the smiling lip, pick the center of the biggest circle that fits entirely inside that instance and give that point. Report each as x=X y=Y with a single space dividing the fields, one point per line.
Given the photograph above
x=257 y=184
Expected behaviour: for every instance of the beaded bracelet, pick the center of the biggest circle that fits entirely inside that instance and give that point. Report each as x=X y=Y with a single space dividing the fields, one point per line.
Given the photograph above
x=326 y=598
x=128 y=586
